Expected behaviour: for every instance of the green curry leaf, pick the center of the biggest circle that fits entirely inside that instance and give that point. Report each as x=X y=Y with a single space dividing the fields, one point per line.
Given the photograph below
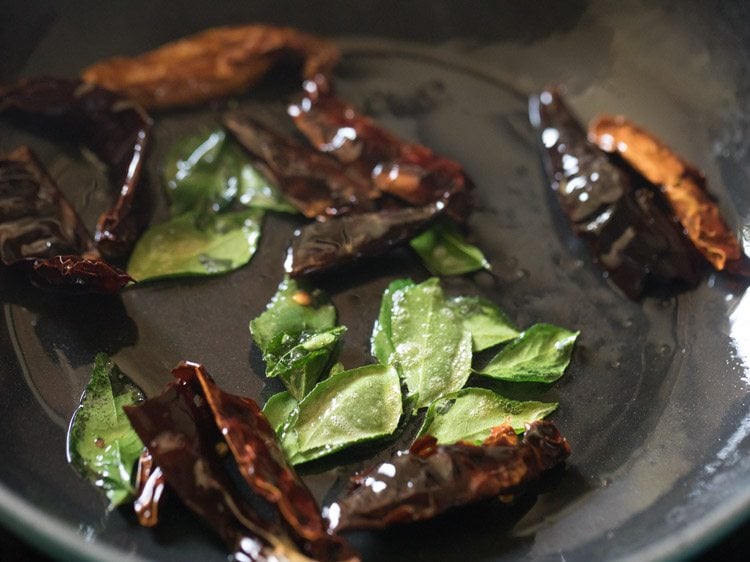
x=348 y=408
x=424 y=338
x=209 y=172
x=279 y=410
x=381 y=344
x=488 y=324
x=297 y=335
x=444 y=251
x=539 y=354
x=301 y=359
x=471 y=413
x=102 y=445
x=196 y=244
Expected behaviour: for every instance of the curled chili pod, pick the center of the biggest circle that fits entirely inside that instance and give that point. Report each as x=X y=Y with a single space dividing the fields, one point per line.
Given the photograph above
x=409 y=171
x=76 y=274
x=429 y=479
x=316 y=184
x=681 y=184
x=41 y=233
x=192 y=431
x=262 y=463
x=36 y=221
x=629 y=229
x=320 y=246
x=113 y=127
x=214 y=63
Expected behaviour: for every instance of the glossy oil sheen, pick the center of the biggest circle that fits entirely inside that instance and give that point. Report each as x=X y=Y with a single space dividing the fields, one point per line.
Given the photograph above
x=655 y=403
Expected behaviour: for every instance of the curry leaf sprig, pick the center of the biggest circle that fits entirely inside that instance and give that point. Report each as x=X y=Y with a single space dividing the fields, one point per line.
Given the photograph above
x=424 y=343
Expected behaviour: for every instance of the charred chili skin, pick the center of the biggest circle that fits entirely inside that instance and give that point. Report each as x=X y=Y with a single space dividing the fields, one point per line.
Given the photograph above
x=629 y=229
x=183 y=429
x=41 y=234
x=429 y=478
x=322 y=187
x=409 y=171
x=116 y=129
x=681 y=184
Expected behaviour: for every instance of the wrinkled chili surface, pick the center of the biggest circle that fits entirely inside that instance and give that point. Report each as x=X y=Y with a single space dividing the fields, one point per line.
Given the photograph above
x=263 y=465
x=192 y=431
x=682 y=185
x=113 y=127
x=395 y=187
x=41 y=233
x=36 y=221
x=409 y=171
x=429 y=479
x=316 y=184
x=629 y=229
x=214 y=63
x=322 y=246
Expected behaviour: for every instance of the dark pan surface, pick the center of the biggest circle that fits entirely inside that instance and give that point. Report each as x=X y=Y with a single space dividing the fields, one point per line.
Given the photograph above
x=655 y=404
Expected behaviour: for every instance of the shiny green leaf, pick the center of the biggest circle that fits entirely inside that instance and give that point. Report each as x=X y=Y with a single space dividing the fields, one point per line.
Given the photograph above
x=444 y=251
x=299 y=360
x=471 y=413
x=297 y=336
x=195 y=244
x=381 y=345
x=424 y=338
x=540 y=354
x=102 y=445
x=348 y=408
x=209 y=172
x=488 y=324
x=279 y=409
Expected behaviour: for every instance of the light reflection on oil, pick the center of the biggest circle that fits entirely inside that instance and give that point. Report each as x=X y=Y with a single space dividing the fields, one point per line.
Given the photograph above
x=739 y=331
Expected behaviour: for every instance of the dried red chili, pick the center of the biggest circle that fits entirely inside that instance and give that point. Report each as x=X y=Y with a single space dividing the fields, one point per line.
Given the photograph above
x=630 y=231
x=41 y=233
x=407 y=170
x=681 y=183
x=317 y=185
x=116 y=129
x=218 y=62
x=430 y=478
x=188 y=430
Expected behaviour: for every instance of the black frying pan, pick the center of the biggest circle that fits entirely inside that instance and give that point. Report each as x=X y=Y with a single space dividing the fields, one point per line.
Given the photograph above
x=655 y=404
